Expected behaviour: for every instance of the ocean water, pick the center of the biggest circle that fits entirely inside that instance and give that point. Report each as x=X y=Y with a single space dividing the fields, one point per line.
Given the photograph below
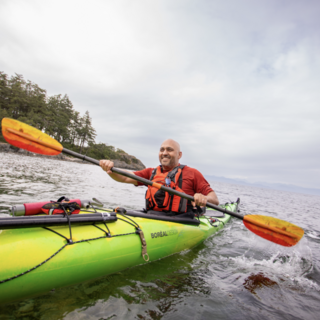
x=233 y=275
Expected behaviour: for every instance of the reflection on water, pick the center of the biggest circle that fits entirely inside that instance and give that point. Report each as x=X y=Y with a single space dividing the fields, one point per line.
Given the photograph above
x=234 y=275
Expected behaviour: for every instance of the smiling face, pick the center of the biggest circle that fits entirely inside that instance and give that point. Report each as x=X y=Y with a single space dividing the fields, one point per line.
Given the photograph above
x=169 y=154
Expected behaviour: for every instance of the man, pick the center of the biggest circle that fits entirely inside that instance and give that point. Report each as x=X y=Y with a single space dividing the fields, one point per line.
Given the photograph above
x=172 y=174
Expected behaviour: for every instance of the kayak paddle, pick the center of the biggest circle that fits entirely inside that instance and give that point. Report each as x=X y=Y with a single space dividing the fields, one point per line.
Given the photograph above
x=26 y=137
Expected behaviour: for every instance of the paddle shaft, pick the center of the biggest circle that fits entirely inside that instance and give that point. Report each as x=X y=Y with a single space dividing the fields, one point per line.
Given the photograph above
x=26 y=137
x=150 y=183
x=123 y=173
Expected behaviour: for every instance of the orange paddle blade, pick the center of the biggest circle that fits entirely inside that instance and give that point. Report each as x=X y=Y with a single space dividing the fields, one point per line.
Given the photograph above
x=26 y=137
x=273 y=229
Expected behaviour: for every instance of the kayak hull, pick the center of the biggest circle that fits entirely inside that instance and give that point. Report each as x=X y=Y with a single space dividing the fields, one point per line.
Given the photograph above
x=37 y=260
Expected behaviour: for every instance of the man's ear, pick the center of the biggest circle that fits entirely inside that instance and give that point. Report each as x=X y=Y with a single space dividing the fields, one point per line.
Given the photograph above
x=180 y=155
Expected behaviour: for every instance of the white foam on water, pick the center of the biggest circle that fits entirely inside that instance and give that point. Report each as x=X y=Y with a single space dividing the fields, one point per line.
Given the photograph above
x=313 y=235
x=289 y=269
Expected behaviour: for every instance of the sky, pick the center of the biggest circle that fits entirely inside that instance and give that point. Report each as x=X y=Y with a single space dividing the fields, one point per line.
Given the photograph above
x=236 y=83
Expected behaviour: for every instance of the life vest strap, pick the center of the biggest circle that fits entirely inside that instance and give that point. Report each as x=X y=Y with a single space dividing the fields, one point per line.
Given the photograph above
x=162 y=200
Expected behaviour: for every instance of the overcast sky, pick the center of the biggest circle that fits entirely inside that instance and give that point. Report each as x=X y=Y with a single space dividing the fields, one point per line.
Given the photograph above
x=237 y=83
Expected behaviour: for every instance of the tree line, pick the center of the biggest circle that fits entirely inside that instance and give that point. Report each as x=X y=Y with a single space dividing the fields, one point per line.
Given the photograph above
x=27 y=102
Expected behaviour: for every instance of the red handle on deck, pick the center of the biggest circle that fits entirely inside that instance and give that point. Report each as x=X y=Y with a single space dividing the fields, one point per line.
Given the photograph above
x=30 y=209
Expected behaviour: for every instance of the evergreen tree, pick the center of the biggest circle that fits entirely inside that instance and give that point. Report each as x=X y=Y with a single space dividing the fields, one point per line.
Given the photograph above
x=87 y=133
x=21 y=100
x=59 y=117
x=27 y=102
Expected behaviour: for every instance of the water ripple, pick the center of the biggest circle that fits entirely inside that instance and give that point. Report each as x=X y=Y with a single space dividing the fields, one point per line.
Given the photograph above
x=234 y=275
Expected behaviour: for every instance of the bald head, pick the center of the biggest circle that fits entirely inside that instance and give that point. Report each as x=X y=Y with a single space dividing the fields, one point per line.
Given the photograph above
x=172 y=143
x=169 y=154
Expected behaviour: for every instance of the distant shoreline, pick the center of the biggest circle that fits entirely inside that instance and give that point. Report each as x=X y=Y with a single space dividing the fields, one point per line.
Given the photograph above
x=264 y=185
x=7 y=148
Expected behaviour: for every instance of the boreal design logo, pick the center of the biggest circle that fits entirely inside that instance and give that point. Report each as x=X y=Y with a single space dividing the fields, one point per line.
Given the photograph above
x=164 y=233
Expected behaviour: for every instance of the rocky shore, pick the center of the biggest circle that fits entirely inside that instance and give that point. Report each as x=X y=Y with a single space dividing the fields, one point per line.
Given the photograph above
x=127 y=161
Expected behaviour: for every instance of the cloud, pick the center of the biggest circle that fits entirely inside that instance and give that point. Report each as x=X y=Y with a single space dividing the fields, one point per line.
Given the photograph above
x=236 y=83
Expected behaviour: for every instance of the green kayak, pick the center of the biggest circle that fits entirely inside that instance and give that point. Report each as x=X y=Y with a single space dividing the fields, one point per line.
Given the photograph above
x=38 y=258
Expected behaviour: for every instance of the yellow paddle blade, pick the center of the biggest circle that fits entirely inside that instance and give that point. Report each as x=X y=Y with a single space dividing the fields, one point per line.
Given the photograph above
x=26 y=137
x=273 y=229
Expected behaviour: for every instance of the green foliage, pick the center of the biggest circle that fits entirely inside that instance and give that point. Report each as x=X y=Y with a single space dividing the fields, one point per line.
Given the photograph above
x=59 y=116
x=104 y=151
x=22 y=100
x=120 y=151
x=27 y=102
x=100 y=151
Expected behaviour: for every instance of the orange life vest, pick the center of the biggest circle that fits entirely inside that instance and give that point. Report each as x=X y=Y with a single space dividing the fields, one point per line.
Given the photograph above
x=159 y=200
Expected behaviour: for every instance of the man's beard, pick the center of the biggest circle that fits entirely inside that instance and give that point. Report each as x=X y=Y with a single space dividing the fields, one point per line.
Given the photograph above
x=171 y=161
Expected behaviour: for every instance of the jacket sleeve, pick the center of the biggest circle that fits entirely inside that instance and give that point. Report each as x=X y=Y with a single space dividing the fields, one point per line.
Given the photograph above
x=201 y=184
x=145 y=173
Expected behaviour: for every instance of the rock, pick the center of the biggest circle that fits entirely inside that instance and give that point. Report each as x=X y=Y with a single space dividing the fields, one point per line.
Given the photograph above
x=127 y=161
x=129 y=166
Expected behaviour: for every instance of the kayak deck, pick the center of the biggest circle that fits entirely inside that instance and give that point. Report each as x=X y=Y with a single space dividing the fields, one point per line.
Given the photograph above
x=37 y=260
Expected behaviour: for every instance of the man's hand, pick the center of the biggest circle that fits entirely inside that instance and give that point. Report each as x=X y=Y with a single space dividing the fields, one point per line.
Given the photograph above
x=199 y=200
x=106 y=165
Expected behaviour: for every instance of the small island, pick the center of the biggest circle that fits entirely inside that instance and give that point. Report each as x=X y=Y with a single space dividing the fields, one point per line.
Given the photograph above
x=27 y=102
